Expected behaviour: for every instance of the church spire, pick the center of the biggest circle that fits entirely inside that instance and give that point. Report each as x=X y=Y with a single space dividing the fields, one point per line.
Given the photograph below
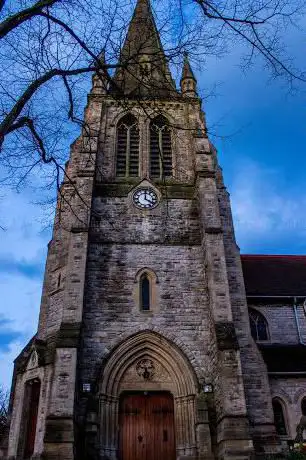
x=145 y=71
x=188 y=80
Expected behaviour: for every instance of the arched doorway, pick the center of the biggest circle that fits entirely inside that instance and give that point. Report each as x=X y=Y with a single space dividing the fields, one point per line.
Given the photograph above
x=148 y=370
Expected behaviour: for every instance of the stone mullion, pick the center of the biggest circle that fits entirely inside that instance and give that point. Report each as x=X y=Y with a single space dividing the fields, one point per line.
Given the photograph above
x=144 y=148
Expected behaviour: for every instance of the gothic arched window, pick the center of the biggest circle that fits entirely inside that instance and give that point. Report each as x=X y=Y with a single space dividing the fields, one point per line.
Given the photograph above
x=279 y=419
x=259 y=326
x=145 y=292
x=160 y=148
x=127 y=159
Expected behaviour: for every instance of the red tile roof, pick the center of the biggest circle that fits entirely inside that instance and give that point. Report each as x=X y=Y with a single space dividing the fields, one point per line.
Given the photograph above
x=274 y=275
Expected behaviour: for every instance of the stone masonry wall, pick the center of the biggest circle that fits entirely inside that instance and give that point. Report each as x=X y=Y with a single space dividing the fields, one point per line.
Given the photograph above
x=111 y=311
x=290 y=391
x=281 y=321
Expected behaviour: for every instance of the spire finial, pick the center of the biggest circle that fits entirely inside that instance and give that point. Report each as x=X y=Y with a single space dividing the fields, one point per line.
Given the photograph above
x=188 y=80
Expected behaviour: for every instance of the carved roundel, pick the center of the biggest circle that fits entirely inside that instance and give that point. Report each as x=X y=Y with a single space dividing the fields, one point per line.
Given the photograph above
x=145 y=198
x=145 y=368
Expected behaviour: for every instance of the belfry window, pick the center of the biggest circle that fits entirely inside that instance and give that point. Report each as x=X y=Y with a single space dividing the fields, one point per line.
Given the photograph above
x=160 y=148
x=279 y=419
x=127 y=159
x=259 y=327
x=145 y=293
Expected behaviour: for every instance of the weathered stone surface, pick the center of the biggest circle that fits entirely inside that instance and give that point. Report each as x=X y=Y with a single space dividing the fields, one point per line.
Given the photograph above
x=94 y=342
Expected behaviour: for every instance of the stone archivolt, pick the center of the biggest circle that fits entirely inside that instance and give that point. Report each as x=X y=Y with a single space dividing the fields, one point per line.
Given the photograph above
x=170 y=371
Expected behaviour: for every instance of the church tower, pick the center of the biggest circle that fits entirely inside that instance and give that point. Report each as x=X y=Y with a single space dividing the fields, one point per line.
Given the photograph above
x=143 y=349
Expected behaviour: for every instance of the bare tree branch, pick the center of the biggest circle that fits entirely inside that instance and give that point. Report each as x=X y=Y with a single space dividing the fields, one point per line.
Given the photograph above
x=12 y=22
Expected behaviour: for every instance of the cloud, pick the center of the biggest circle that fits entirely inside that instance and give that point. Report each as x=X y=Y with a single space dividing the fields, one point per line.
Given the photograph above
x=12 y=266
x=22 y=258
x=7 y=335
x=7 y=357
x=268 y=215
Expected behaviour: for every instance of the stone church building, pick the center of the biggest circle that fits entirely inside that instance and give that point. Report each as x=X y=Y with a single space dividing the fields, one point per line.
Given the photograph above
x=156 y=340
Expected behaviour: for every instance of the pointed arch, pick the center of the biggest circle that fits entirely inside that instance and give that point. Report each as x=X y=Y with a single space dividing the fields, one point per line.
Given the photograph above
x=168 y=370
x=146 y=290
x=160 y=148
x=127 y=147
x=152 y=344
x=259 y=325
x=279 y=416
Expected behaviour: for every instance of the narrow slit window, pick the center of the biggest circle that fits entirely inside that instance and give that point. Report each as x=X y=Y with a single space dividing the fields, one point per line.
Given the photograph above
x=160 y=148
x=145 y=293
x=127 y=159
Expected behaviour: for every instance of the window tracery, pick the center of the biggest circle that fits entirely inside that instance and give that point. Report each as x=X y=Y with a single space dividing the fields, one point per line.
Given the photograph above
x=160 y=148
x=259 y=326
x=127 y=155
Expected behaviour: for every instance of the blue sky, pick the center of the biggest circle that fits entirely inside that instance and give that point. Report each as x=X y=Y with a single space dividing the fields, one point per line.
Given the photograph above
x=259 y=129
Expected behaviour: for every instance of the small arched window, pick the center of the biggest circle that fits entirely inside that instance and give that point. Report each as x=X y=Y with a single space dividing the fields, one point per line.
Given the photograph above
x=160 y=148
x=259 y=326
x=279 y=419
x=145 y=293
x=303 y=406
x=127 y=159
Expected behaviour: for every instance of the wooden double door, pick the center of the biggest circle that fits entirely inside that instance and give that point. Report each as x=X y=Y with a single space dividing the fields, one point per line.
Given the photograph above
x=147 y=426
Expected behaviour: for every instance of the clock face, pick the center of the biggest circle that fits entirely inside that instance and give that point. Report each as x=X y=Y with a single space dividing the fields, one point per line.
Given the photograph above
x=145 y=198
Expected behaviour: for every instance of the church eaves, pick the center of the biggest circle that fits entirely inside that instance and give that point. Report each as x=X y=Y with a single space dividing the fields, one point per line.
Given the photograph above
x=144 y=70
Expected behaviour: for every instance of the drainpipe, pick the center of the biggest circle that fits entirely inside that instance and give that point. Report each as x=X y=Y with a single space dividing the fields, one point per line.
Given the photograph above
x=294 y=309
x=297 y=321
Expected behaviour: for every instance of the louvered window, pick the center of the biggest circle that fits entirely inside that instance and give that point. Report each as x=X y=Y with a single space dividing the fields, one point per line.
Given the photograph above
x=160 y=148
x=127 y=163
